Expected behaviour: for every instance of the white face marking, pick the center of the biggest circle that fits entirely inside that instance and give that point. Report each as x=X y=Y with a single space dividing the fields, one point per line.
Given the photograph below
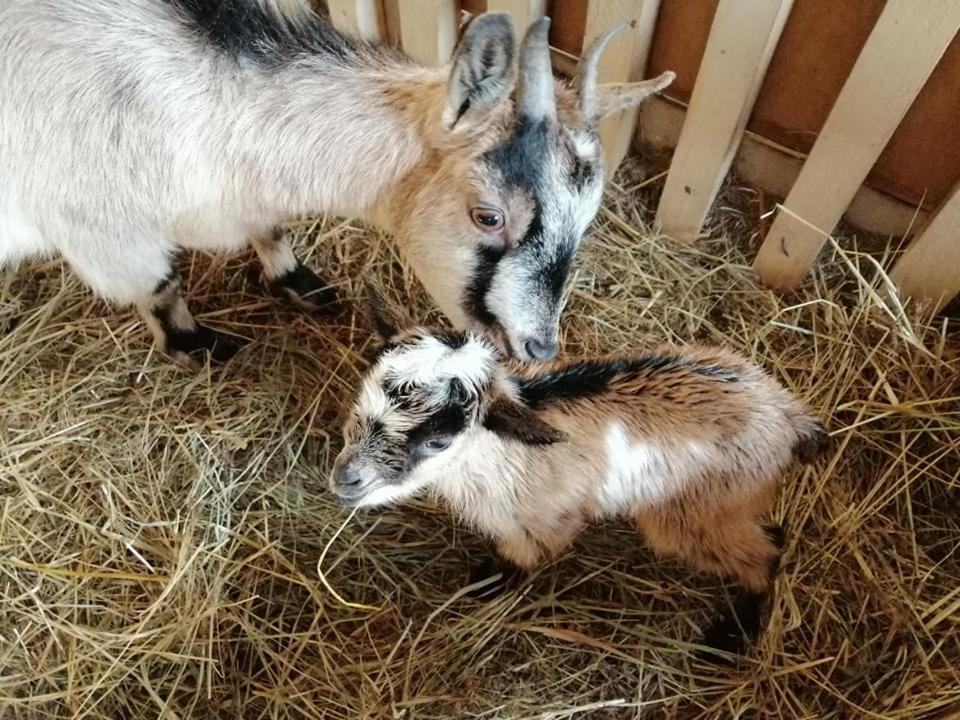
x=431 y=360
x=393 y=494
x=423 y=391
x=521 y=296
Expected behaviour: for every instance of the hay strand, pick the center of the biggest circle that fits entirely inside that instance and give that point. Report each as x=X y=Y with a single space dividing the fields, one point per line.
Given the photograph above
x=160 y=529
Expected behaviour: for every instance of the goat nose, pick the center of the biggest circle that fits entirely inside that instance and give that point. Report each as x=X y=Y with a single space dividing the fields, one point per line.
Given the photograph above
x=541 y=350
x=348 y=477
x=351 y=477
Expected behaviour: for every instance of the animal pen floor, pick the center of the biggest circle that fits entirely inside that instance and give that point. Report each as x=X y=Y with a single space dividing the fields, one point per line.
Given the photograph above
x=160 y=529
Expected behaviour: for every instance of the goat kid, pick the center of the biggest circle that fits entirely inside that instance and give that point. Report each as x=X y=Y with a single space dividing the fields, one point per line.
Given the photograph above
x=689 y=443
x=132 y=128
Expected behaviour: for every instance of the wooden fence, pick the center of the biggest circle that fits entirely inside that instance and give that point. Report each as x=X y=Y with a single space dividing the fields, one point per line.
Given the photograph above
x=907 y=41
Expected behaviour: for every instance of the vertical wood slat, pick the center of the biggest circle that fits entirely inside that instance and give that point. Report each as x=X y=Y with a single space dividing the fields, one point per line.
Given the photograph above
x=524 y=11
x=429 y=29
x=930 y=269
x=741 y=42
x=391 y=21
x=362 y=18
x=624 y=60
x=901 y=52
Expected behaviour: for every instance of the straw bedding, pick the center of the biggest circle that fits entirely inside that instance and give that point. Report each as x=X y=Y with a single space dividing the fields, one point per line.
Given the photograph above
x=160 y=529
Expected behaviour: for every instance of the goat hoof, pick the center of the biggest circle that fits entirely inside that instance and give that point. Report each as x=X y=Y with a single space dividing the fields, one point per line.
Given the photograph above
x=185 y=346
x=307 y=290
x=498 y=576
x=725 y=642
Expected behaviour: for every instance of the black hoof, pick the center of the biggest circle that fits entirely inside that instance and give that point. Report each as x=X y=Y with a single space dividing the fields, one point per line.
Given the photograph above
x=186 y=345
x=305 y=289
x=725 y=642
x=499 y=575
x=734 y=630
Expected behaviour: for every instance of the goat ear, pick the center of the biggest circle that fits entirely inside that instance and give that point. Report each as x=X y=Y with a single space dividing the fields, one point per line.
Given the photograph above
x=483 y=69
x=511 y=419
x=387 y=321
x=614 y=97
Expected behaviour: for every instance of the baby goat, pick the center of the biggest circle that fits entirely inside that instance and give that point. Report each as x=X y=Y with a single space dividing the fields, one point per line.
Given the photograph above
x=689 y=443
x=130 y=129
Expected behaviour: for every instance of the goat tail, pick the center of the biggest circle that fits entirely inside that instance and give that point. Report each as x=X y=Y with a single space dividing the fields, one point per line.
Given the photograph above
x=812 y=438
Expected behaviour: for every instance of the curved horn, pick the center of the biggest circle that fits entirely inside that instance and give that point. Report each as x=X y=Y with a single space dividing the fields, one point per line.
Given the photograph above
x=589 y=65
x=535 y=92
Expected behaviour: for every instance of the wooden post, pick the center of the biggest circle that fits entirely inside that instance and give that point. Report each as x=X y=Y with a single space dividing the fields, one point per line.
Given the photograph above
x=742 y=40
x=362 y=18
x=428 y=29
x=391 y=21
x=524 y=11
x=624 y=60
x=901 y=52
x=930 y=269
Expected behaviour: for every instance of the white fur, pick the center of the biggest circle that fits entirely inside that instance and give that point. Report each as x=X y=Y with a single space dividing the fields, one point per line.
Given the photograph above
x=122 y=138
x=638 y=470
x=535 y=496
x=431 y=361
x=125 y=136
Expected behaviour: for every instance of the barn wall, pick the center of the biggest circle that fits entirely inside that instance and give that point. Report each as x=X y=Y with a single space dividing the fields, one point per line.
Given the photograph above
x=819 y=46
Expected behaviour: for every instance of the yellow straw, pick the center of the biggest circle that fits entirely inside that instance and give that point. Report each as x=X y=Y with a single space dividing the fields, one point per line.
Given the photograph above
x=323 y=579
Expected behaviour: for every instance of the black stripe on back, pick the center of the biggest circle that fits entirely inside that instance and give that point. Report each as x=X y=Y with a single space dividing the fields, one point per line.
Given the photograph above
x=587 y=378
x=245 y=28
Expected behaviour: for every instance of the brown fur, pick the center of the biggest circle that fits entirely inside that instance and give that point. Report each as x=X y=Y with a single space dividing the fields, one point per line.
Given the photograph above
x=714 y=518
x=689 y=443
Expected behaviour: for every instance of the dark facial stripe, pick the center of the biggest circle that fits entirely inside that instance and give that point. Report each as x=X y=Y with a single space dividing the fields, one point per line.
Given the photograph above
x=475 y=304
x=553 y=275
x=520 y=160
x=582 y=173
x=449 y=420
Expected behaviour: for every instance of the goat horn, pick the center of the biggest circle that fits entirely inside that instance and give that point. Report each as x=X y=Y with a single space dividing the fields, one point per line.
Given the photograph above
x=589 y=66
x=535 y=92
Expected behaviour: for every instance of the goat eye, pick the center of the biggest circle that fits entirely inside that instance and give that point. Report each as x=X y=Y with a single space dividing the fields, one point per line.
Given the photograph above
x=438 y=443
x=487 y=219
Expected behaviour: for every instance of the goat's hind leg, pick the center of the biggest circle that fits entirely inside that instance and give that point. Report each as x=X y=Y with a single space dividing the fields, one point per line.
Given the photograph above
x=728 y=544
x=289 y=278
x=174 y=329
x=738 y=623
x=137 y=271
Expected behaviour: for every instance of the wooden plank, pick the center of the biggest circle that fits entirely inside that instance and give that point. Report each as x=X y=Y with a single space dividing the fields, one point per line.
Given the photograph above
x=774 y=169
x=624 y=59
x=741 y=43
x=930 y=269
x=362 y=18
x=901 y=52
x=524 y=11
x=817 y=50
x=428 y=29
x=391 y=21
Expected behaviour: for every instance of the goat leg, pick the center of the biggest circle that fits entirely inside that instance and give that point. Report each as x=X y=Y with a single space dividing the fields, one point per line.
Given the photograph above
x=290 y=279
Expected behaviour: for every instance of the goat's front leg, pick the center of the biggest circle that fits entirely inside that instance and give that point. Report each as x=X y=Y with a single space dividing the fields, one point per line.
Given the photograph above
x=174 y=329
x=289 y=278
x=516 y=554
